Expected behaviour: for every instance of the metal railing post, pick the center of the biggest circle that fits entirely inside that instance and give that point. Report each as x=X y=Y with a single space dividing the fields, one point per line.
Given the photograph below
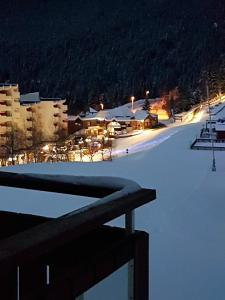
x=130 y=226
x=18 y=282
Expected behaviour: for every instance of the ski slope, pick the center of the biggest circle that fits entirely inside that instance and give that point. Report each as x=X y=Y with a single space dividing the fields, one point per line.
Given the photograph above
x=186 y=223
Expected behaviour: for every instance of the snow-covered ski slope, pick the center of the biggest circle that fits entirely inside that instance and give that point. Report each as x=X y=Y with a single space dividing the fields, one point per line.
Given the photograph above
x=186 y=223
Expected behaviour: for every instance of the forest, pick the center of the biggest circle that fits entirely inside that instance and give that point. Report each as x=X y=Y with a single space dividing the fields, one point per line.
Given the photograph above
x=94 y=50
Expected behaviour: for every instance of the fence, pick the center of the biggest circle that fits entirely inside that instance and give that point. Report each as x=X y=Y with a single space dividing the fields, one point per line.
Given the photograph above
x=43 y=258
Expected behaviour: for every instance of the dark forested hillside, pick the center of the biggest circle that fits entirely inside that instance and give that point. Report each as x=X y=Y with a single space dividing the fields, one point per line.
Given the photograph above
x=87 y=49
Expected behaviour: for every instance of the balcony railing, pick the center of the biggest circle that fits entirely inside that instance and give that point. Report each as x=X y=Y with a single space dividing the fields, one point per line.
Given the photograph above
x=6 y=103
x=42 y=258
x=6 y=114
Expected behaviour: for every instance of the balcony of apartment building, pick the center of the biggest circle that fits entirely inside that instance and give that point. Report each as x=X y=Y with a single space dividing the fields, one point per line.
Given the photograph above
x=3 y=139
x=65 y=123
x=29 y=109
x=4 y=95
x=3 y=128
x=62 y=258
x=29 y=138
x=29 y=135
x=11 y=91
x=6 y=114
x=56 y=105
x=29 y=119
x=5 y=103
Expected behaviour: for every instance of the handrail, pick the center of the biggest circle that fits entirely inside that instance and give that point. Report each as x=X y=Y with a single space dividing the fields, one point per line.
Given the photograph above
x=120 y=196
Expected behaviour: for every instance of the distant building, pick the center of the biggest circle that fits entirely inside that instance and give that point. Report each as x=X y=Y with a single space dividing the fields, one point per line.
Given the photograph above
x=114 y=121
x=49 y=115
x=21 y=115
x=220 y=129
x=10 y=117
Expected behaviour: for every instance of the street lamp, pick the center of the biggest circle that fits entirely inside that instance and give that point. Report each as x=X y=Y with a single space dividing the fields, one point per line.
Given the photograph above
x=102 y=106
x=132 y=102
x=81 y=143
x=147 y=94
x=210 y=120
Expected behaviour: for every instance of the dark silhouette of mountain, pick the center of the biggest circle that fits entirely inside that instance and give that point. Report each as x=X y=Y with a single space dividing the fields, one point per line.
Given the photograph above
x=86 y=50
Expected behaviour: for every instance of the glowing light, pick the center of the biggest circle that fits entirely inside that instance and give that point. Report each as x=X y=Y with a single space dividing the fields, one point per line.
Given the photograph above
x=46 y=148
x=132 y=102
x=87 y=140
x=102 y=106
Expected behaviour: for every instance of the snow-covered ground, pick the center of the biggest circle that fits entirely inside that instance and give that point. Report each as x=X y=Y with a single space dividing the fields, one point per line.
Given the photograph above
x=186 y=223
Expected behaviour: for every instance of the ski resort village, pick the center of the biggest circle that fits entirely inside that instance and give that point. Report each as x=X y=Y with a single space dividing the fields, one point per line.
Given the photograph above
x=178 y=160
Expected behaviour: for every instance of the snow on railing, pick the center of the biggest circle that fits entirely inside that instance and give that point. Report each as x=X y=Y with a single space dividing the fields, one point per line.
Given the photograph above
x=117 y=196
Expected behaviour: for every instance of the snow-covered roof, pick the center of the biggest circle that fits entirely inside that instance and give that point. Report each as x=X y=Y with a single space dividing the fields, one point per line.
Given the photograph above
x=30 y=98
x=117 y=114
x=53 y=99
x=219 y=126
x=122 y=113
x=72 y=118
x=141 y=115
x=92 y=110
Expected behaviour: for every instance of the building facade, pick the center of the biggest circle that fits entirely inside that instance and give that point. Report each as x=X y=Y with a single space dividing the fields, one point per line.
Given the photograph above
x=28 y=119
x=113 y=122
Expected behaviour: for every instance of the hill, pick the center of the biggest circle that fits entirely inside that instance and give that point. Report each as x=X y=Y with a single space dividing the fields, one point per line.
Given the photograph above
x=107 y=50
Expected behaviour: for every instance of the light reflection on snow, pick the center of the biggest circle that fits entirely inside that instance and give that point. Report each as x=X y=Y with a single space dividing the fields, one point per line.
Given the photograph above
x=144 y=145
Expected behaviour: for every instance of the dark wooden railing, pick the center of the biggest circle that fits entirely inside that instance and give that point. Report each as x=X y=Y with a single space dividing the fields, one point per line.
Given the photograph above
x=61 y=258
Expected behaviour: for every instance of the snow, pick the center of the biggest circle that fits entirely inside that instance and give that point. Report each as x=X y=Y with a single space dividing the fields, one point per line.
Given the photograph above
x=92 y=110
x=141 y=115
x=220 y=126
x=209 y=144
x=30 y=98
x=217 y=109
x=186 y=223
x=121 y=113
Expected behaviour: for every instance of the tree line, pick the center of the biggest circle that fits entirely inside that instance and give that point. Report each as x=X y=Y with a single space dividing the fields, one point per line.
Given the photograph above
x=91 y=51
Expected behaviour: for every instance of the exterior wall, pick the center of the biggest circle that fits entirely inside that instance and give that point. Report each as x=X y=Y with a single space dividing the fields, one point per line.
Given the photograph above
x=27 y=123
x=221 y=135
x=89 y=124
x=74 y=125
x=10 y=118
x=50 y=117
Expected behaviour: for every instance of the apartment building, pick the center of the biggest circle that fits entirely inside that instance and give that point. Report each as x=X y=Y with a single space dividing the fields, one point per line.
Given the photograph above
x=48 y=116
x=27 y=118
x=9 y=112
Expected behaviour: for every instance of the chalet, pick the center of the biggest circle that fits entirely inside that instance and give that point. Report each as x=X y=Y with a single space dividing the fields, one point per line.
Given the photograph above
x=220 y=129
x=114 y=122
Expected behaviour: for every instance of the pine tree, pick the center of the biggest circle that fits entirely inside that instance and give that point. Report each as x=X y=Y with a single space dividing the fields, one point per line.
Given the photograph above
x=146 y=105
